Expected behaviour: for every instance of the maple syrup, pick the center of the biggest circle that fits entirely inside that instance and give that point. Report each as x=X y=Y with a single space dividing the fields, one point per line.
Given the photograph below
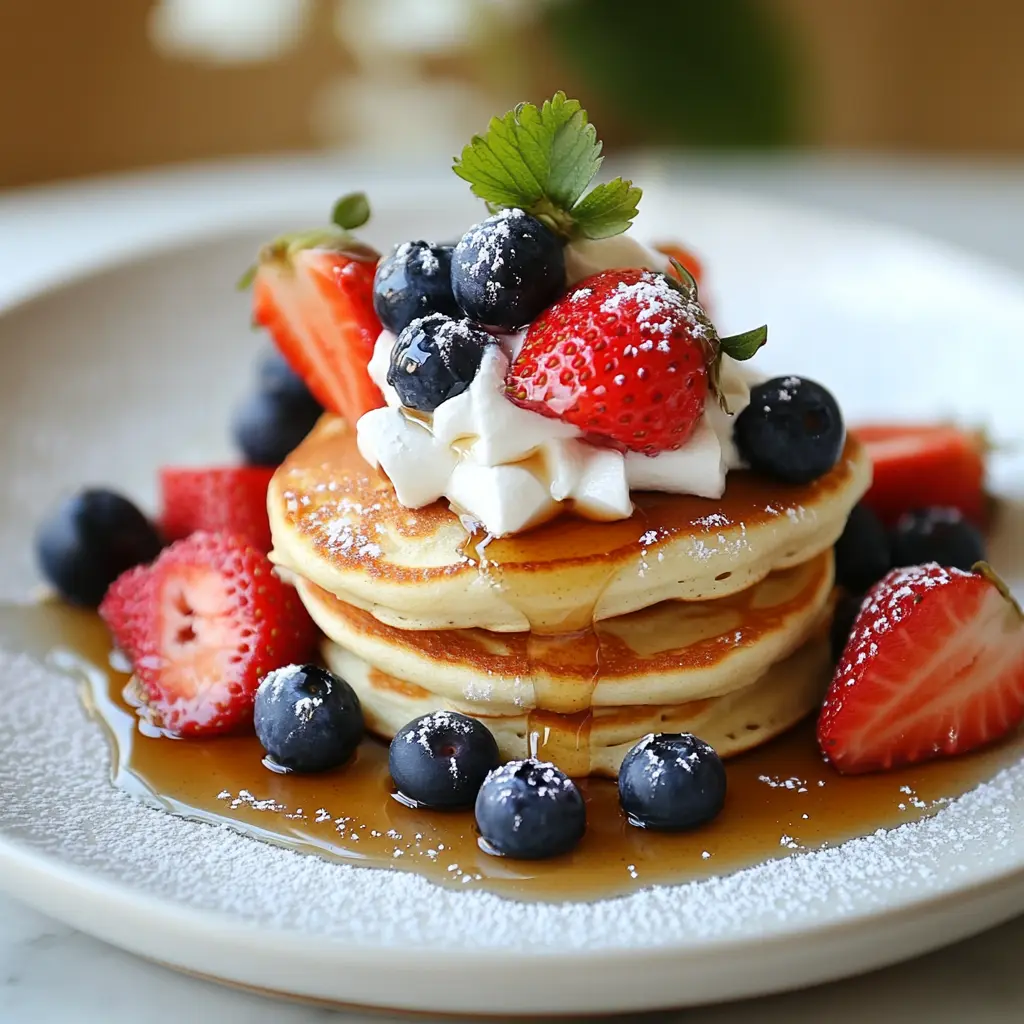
x=782 y=797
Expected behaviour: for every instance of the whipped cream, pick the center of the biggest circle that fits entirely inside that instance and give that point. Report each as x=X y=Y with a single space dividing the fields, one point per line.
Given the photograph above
x=508 y=468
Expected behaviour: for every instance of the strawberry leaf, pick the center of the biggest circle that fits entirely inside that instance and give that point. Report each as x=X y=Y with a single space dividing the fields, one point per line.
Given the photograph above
x=744 y=346
x=607 y=209
x=542 y=160
x=351 y=211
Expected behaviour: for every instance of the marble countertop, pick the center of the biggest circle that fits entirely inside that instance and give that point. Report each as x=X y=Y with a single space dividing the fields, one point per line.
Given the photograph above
x=50 y=973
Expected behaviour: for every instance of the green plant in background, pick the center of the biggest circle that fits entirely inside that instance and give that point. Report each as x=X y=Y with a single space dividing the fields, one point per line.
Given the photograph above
x=718 y=73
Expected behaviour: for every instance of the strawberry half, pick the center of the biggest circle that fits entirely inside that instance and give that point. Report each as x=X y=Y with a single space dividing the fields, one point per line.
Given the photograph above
x=313 y=291
x=203 y=625
x=220 y=499
x=934 y=667
x=917 y=466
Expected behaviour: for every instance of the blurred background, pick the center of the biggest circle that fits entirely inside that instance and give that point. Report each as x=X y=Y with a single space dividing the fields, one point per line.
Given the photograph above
x=110 y=85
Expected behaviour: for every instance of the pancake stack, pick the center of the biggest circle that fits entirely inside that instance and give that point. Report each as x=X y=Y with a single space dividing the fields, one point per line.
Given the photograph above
x=577 y=638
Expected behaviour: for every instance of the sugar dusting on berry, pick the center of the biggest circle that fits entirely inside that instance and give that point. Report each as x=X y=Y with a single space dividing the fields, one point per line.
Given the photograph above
x=657 y=302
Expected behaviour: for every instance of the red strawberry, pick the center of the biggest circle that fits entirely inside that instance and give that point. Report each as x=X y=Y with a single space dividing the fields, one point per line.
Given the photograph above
x=317 y=303
x=924 y=465
x=934 y=667
x=203 y=625
x=227 y=499
x=623 y=356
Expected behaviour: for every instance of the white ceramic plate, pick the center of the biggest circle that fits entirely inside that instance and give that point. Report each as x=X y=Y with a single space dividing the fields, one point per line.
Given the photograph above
x=107 y=376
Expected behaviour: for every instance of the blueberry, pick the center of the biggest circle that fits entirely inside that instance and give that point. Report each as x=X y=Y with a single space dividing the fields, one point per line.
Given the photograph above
x=863 y=555
x=792 y=430
x=671 y=782
x=936 y=535
x=268 y=426
x=414 y=281
x=441 y=759
x=308 y=719
x=434 y=359
x=275 y=377
x=846 y=611
x=529 y=810
x=507 y=270
x=89 y=540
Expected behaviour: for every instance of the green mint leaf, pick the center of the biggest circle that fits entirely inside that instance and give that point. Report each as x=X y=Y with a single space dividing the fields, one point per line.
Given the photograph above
x=607 y=209
x=744 y=346
x=351 y=211
x=532 y=154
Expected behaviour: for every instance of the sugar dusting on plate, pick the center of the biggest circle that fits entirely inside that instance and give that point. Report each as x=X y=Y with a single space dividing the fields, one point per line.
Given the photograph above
x=55 y=797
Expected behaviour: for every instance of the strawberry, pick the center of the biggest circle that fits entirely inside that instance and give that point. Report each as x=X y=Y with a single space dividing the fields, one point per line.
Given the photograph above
x=228 y=499
x=203 y=625
x=934 y=667
x=627 y=356
x=313 y=291
x=925 y=465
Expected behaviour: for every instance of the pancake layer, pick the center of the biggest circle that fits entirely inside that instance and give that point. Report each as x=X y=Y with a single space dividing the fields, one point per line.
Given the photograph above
x=337 y=523
x=594 y=743
x=671 y=653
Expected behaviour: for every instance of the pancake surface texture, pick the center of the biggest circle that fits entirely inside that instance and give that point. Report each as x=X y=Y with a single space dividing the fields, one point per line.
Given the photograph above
x=594 y=743
x=337 y=523
x=673 y=652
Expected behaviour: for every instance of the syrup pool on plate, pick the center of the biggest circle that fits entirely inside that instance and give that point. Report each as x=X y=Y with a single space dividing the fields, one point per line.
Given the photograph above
x=782 y=798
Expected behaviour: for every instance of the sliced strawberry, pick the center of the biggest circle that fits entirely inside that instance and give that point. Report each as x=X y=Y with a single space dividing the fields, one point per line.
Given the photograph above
x=934 y=667
x=917 y=466
x=203 y=625
x=317 y=304
x=221 y=499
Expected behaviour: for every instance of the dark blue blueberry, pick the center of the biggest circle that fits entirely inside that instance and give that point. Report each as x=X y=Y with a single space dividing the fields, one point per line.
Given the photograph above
x=268 y=426
x=434 y=359
x=508 y=270
x=936 y=535
x=276 y=377
x=529 y=810
x=441 y=759
x=846 y=611
x=308 y=719
x=414 y=281
x=671 y=782
x=863 y=555
x=89 y=540
x=791 y=431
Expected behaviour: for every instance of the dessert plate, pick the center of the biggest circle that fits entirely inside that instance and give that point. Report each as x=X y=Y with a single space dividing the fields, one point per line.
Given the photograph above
x=108 y=375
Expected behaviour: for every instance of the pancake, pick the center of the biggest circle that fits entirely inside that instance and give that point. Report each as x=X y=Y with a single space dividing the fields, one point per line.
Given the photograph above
x=670 y=653
x=337 y=523
x=595 y=743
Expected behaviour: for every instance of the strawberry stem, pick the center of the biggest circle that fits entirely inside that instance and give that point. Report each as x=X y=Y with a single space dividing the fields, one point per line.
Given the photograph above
x=986 y=570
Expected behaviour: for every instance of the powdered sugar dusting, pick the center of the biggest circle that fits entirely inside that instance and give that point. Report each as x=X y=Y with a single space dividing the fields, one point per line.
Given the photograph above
x=56 y=800
x=656 y=303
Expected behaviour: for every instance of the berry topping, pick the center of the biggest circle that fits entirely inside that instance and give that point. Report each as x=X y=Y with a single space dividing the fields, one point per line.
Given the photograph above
x=268 y=427
x=229 y=499
x=307 y=719
x=202 y=626
x=791 y=431
x=313 y=292
x=624 y=357
x=441 y=759
x=862 y=552
x=671 y=782
x=274 y=377
x=920 y=466
x=529 y=810
x=89 y=540
x=414 y=281
x=434 y=359
x=934 y=667
x=507 y=270
x=937 y=535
